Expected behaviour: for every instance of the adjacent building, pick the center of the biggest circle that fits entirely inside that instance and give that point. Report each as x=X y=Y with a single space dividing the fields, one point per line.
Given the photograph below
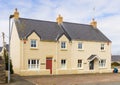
x=41 y=47
x=115 y=58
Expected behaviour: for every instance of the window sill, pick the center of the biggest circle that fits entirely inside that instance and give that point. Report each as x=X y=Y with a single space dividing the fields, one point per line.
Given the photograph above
x=63 y=49
x=37 y=69
x=102 y=50
x=80 y=49
x=63 y=68
x=34 y=48
x=80 y=68
x=102 y=67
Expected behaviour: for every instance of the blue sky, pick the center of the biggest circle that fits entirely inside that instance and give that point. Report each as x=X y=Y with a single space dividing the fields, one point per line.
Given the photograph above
x=107 y=14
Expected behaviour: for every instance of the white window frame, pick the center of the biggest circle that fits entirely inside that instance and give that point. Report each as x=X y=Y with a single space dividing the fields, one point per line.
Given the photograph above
x=102 y=48
x=102 y=63
x=63 y=64
x=34 y=42
x=33 y=64
x=79 y=64
x=63 y=45
x=80 y=44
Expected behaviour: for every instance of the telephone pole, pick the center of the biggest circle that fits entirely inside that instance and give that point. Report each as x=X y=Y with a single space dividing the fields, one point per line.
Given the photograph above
x=3 y=35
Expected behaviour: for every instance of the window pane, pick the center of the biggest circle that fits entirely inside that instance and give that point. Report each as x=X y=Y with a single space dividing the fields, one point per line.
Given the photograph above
x=63 y=44
x=33 y=43
x=79 y=45
x=102 y=46
x=28 y=61
x=29 y=64
x=33 y=64
x=102 y=63
x=63 y=63
x=37 y=61
x=79 y=63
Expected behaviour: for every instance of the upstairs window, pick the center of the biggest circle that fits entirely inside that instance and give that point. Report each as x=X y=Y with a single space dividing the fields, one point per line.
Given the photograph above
x=63 y=45
x=80 y=46
x=63 y=63
x=102 y=47
x=102 y=63
x=33 y=43
x=79 y=64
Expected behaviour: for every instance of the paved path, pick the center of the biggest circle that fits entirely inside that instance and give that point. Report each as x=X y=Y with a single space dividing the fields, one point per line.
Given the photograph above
x=17 y=80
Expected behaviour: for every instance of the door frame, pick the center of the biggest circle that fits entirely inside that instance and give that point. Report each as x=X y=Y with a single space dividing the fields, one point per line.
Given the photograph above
x=50 y=68
x=91 y=65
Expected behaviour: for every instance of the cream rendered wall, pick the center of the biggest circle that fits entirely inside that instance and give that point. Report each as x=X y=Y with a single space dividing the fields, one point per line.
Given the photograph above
x=44 y=49
x=64 y=54
x=90 y=48
x=71 y=54
x=15 y=49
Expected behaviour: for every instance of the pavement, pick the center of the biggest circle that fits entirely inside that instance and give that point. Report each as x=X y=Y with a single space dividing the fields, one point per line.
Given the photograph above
x=18 y=80
x=80 y=79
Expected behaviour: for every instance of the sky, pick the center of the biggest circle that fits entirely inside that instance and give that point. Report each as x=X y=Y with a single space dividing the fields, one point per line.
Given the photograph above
x=105 y=12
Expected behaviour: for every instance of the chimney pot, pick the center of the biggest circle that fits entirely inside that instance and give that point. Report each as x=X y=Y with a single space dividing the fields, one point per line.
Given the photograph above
x=59 y=19
x=16 y=14
x=94 y=23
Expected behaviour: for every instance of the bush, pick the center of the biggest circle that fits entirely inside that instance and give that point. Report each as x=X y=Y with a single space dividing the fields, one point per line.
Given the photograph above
x=6 y=62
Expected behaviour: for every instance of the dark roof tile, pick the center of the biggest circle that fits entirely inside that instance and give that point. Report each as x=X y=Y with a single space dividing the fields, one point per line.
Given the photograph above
x=115 y=58
x=47 y=30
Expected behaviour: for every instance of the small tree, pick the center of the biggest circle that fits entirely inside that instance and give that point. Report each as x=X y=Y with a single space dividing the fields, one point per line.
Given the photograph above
x=6 y=62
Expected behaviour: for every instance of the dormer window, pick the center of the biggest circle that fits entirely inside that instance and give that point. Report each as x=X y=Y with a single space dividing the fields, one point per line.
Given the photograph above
x=63 y=45
x=33 y=43
x=102 y=47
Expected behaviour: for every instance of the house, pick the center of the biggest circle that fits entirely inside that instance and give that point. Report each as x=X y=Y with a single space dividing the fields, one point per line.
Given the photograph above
x=41 y=47
x=115 y=58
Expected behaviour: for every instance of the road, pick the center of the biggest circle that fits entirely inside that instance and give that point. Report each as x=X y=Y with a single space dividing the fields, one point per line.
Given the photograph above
x=105 y=83
x=80 y=79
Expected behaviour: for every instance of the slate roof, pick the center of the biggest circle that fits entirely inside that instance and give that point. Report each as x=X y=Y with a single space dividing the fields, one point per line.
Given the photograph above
x=48 y=30
x=92 y=57
x=115 y=58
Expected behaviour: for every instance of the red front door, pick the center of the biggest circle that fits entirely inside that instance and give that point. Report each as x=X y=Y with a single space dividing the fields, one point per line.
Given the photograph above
x=49 y=64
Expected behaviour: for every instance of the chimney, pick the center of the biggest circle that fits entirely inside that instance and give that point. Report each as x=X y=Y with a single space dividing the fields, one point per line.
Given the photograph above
x=16 y=14
x=93 y=23
x=59 y=19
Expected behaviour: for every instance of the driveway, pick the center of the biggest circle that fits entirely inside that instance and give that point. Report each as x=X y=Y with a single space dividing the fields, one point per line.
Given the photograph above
x=83 y=79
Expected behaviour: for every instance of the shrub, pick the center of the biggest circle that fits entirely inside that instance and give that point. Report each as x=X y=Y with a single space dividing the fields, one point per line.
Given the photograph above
x=6 y=62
